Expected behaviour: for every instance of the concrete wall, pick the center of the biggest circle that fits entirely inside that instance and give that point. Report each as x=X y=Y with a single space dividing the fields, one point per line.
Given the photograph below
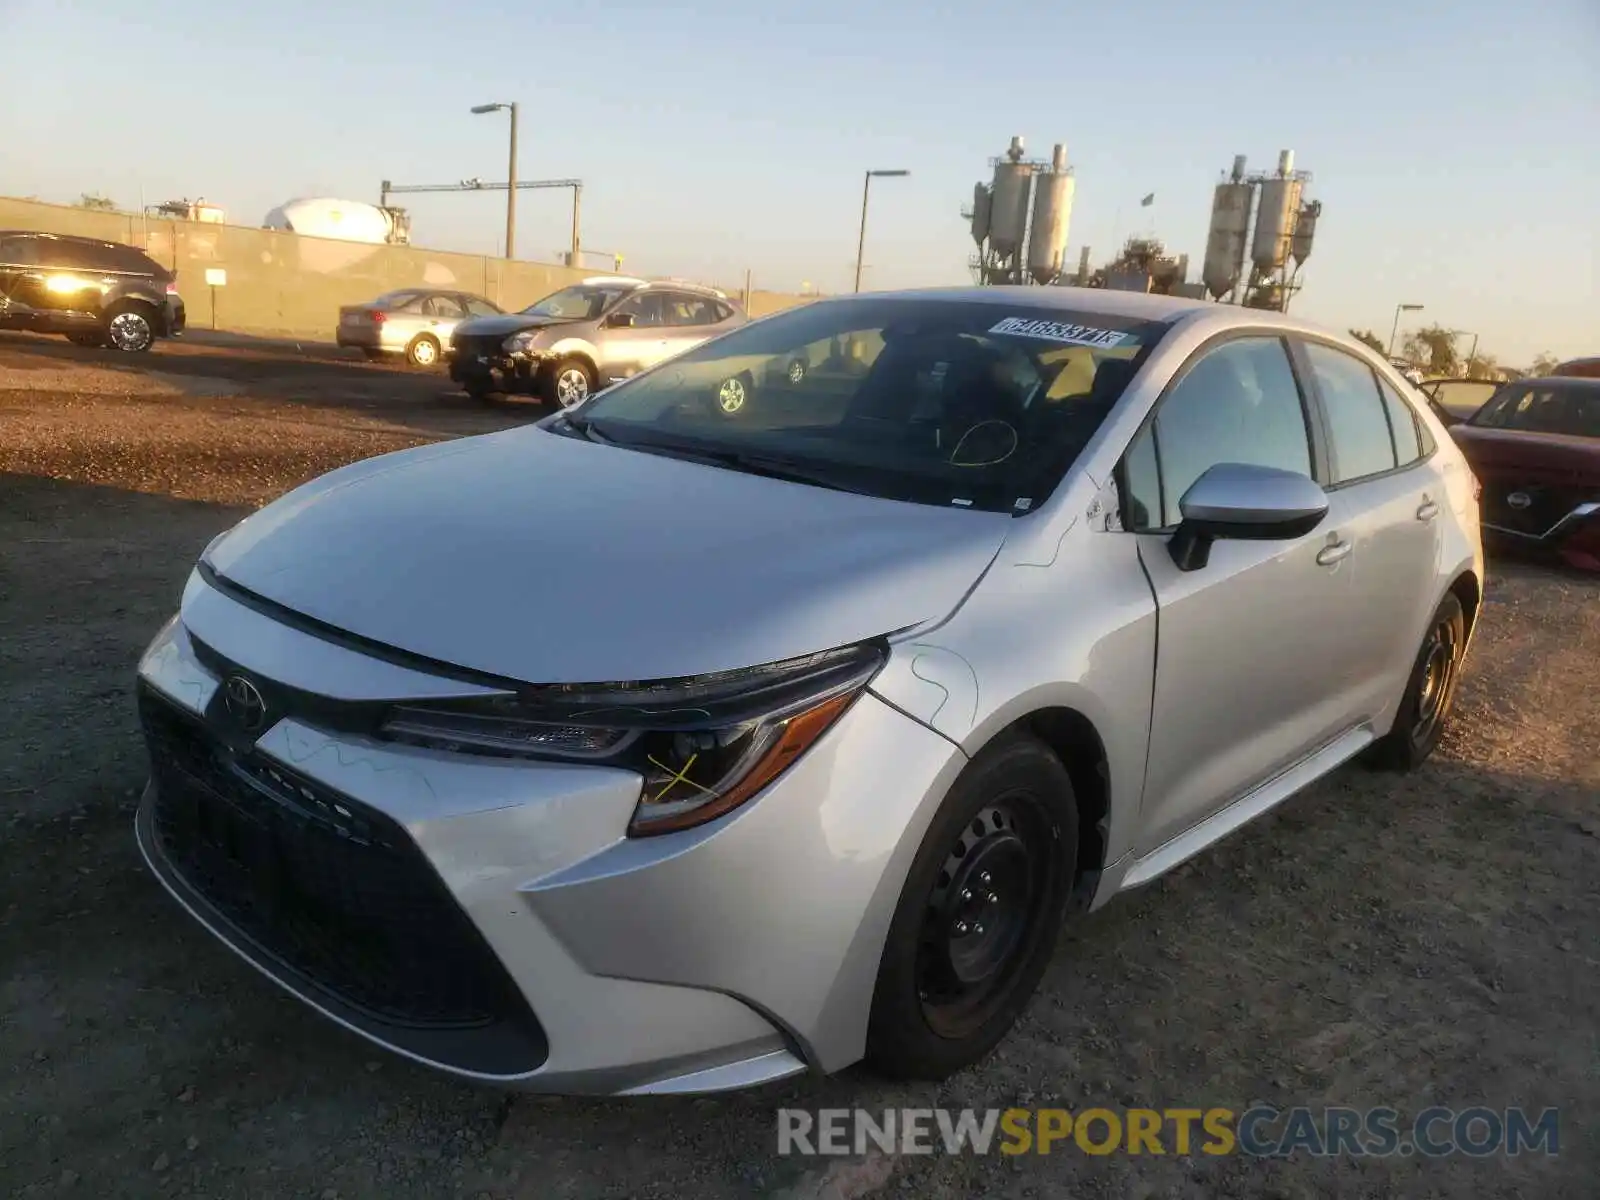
x=286 y=284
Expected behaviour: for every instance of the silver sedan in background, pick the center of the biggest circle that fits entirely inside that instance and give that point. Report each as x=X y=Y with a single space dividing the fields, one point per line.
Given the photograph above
x=415 y=322
x=670 y=745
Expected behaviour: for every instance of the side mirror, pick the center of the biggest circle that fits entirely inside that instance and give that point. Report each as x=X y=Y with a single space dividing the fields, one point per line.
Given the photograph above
x=1235 y=500
x=620 y=321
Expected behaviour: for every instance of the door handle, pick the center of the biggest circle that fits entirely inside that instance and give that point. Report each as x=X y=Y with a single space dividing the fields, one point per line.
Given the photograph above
x=1429 y=509
x=1332 y=553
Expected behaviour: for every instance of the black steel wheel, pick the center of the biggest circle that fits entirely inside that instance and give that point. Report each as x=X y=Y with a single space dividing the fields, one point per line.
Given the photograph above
x=1430 y=692
x=979 y=914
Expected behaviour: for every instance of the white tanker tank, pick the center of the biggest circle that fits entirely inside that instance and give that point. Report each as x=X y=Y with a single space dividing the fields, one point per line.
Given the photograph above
x=1305 y=230
x=1052 y=213
x=345 y=220
x=1275 y=216
x=980 y=212
x=1008 y=203
x=1230 y=227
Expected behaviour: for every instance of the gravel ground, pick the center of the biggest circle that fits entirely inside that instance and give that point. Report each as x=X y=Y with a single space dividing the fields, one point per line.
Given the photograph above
x=1379 y=940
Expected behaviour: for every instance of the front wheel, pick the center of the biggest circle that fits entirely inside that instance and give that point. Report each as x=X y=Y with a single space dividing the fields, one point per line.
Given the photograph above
x=130 y=329
x=1430 y=692
x=567 y=383
x=733 y=394
x=979 y=914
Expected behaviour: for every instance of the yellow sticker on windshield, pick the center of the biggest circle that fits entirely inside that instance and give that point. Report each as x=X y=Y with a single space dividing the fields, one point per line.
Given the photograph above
x=1060 y=331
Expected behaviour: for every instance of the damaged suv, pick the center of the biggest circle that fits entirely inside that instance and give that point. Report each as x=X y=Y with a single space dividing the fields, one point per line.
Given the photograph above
x=585 y=337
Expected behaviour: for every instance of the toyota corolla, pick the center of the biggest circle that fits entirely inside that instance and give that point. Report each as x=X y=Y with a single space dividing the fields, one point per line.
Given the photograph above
x=668 y=745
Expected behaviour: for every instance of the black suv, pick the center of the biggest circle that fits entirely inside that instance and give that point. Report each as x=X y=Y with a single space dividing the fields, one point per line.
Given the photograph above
x=97 y=293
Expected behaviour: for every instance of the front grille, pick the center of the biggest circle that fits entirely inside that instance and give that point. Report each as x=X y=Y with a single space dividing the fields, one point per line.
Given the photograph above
x=1547 y=504
x=468 y=349
x=326 y=886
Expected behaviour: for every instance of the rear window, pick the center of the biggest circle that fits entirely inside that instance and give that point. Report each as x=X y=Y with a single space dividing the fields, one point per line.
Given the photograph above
x=402 y=301
x=1544 y=406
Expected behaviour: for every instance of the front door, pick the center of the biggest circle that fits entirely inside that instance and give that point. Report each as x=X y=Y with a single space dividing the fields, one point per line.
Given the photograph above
x=628 y=349
x=1246 y=643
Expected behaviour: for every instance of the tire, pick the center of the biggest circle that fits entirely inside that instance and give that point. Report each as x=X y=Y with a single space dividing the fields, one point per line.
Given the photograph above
x=423 y=351
x=130 y=328
x=568 y=382
x=1004 y=842
x=89 y=340
x=732 y=396
x=1430 y=693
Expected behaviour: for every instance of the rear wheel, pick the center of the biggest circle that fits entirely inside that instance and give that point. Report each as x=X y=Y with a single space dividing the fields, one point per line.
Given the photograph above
x=130 y=328
x=1430 y=692
x=979 y=914
x=423 y=350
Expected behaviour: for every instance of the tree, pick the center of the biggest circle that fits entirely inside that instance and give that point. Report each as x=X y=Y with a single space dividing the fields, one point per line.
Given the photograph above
x=1433 y=348
x=97 y=202
x=1544 y=364
x=1367 y=338
x=1483 y=366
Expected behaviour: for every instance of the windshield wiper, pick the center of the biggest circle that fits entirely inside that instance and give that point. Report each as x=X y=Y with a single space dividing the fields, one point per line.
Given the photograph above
x=768 y=466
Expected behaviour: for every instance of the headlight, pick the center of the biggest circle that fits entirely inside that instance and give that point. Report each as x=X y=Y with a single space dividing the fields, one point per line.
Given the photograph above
x=703 y=746
x=520 y=343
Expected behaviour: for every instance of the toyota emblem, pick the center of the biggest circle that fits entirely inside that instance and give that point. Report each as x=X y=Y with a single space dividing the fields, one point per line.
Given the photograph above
x=1519 y=500
x=244 y=703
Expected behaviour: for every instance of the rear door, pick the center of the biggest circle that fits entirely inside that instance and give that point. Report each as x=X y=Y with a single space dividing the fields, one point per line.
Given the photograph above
x=1247 y=643
x=1390 y=498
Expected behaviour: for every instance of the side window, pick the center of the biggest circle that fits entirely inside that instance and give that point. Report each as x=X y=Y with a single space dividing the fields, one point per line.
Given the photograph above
x=646 y=310
x=92 y=257
x=1357 y=423
x=1237 y=403
x=447 y=307
x=1403 y=424
x=135 y=261
x=481 y=308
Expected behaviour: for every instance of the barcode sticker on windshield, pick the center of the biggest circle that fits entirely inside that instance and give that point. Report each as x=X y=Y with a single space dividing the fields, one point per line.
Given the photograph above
x=1057 y=331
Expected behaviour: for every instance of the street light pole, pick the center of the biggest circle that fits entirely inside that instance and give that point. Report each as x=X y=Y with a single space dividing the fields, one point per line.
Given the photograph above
x=1395 y=328
x=861 y=241
x=511 y=174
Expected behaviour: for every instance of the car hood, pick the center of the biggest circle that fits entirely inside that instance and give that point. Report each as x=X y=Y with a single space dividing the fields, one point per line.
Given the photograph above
x=505 y=326
x=547 y=559
x=1489 y=449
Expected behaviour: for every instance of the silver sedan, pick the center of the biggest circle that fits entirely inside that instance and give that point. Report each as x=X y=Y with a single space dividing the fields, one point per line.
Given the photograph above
x=664 y=746
x=414 y=322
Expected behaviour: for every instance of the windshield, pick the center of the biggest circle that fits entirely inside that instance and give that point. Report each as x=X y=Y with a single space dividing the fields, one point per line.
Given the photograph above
x=1543 y=406
x=975 y=404
x=584 y=302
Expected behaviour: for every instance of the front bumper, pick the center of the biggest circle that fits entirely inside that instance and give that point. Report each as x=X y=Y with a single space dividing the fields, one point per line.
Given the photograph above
x=725 y=956
x=1568 y=530
x=486 y=366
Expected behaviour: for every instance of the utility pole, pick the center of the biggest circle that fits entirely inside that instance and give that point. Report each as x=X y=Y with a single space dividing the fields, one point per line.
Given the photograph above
x=861 y=241
x=511 y=173
x=1395 y=328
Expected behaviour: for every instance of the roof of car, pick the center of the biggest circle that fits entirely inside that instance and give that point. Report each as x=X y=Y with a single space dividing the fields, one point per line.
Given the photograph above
x=1105 y=300
x=63 y=237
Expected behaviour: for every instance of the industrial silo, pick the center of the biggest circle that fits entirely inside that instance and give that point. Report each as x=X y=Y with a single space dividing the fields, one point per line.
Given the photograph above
x=1275 y=216
x=980 y=212
x=1052 y=211
x=1008 y=202
x=1230 y=227
x=1305 y=230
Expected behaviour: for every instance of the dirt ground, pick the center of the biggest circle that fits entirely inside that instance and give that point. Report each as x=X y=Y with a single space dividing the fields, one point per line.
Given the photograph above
x=1432 y=939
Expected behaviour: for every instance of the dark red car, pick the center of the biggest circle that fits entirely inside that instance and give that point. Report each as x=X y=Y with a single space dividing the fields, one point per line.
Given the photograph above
x=1535 y=446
